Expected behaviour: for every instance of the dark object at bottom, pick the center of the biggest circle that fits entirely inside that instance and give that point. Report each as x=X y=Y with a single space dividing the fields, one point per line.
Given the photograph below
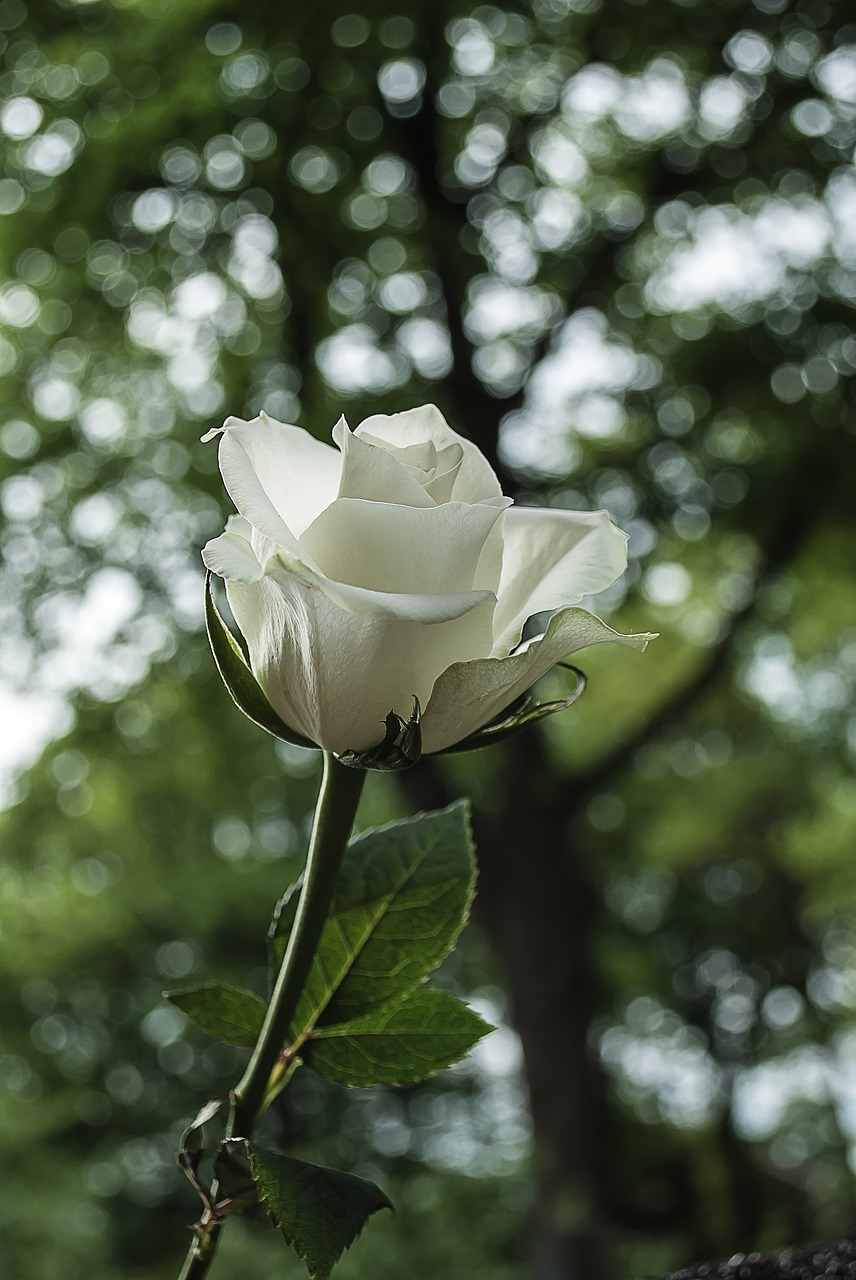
x=819 y=1263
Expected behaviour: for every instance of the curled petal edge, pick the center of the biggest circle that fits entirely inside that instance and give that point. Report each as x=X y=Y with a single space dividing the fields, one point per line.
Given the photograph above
x=427 y=609
x=522 y=712
x=500 y=683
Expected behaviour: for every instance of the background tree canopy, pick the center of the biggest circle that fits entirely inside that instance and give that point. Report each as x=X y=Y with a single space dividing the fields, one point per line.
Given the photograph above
x=614 y=241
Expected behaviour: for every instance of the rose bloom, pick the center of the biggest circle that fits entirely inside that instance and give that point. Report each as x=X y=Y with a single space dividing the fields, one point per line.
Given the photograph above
x=391 y=568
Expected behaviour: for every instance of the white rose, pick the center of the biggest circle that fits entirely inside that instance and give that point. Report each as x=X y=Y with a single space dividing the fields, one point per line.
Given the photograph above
x=392 y=568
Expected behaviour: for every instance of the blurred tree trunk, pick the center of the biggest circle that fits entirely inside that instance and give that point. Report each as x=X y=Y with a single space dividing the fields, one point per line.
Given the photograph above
x=540 y=912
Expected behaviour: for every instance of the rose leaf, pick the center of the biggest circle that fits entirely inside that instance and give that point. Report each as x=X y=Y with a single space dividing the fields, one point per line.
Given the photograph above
x=229 y=1013
x=403 y=895
x=398 y=1044
x=319 y=1211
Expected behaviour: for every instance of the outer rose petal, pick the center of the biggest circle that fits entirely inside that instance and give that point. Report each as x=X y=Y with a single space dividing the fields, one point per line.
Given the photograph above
x=475 y=479
x=414 y=550
x=552 y=559
x=270 y=632
x=401 y=606
x=469 y=694
x=279 y=477
x=231 y=555
x=334 y=660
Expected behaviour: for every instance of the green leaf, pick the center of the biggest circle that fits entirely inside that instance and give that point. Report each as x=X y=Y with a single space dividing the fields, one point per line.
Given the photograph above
x=234 y=1174
x=319 y=1211
x=402 y=897
x=400 y=1044
x=243 y=687
x=229 y=1013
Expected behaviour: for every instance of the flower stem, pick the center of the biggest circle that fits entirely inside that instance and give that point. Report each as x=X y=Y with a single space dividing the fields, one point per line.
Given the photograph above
x=334 y=817
x=338 y=799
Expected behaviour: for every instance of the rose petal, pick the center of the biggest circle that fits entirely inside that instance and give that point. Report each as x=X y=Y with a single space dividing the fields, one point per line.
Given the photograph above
x=449 y=462
x=420 y=459
x=426 y=550
x=475 y=479
x=232 y=556
x=469 y=694
x=279 y=477
x=552 y=559
x=372 y=472
x=435 y=469
x=273 y=634
x=426 y=609
x=334 y=659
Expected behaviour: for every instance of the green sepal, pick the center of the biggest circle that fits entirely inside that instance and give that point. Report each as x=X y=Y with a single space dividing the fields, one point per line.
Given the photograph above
x=243 y=687
x=229 y=1013
x=398 y=1044
x=402 y=897
x=190 y=1146
x=522 y=712
x=190 y=1150
x=400 y=749
x=319 y=1211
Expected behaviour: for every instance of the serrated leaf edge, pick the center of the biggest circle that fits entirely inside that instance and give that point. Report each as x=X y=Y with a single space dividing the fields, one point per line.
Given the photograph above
x=463 y=805
x=346 y=1029
x=272 y=1214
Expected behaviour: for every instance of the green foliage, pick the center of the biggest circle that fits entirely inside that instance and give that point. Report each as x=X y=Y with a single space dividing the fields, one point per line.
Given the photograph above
x=402 y=898
x=401 y=1043
x=229 y=1013
x=320 y=1212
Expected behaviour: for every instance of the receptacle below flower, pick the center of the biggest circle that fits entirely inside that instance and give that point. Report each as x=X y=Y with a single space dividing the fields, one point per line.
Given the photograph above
x=391 y=568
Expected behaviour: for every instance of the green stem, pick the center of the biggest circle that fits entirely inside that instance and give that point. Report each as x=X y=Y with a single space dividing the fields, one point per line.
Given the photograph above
x=339 y=797
x=334 y=818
